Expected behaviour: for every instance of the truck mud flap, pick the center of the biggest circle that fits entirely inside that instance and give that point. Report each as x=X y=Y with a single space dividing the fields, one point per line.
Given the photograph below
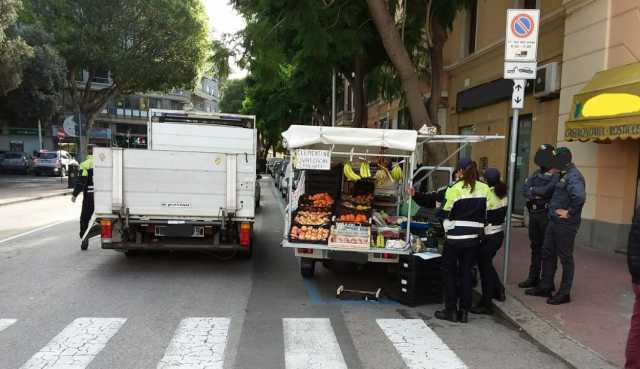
x=354 y=257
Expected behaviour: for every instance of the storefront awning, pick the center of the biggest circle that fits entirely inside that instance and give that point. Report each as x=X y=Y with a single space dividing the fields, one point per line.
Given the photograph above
x=608 y=108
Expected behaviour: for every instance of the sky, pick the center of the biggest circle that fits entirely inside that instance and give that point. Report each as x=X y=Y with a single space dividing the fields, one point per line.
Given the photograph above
x=224 y=19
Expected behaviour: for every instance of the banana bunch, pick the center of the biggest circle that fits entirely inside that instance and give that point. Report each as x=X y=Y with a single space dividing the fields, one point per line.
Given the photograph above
x=379 y=242
x=381 y=175
x=350 y=174
x=396 y=172
x=365 y=170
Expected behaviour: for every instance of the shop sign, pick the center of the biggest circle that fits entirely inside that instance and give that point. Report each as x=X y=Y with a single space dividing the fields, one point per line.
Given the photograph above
x=100 y=133
x=23 y=131
x=312 y=159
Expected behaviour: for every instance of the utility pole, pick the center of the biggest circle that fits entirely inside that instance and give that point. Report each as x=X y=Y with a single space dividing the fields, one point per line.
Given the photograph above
x=333 y=98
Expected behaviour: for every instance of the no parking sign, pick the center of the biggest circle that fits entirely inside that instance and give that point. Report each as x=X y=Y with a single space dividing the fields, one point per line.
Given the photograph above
x=522 y=35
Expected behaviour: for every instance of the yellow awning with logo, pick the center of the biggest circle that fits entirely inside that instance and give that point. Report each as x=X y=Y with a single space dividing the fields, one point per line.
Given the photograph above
x=608 y=107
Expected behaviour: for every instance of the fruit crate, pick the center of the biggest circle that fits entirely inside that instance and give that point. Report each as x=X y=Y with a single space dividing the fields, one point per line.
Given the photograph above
x=294 y=239
x=350 y=236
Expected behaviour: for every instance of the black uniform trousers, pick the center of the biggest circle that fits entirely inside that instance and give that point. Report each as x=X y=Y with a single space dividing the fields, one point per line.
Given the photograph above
x=558 y=244
x=458 y=259
x=491 y=284
x=538 y=221
x=87 y=211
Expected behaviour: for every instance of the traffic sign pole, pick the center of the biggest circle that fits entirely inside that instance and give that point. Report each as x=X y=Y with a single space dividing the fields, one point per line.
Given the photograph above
x=520 y=64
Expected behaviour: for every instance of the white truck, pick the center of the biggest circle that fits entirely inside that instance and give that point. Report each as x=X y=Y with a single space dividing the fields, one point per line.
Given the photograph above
x=193 y=188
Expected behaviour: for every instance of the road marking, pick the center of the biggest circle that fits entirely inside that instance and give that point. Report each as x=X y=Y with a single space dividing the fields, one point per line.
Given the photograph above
x=198 y=343
x=309 y=343
x=77 y=345
x=6 y=323
x=418 y=345
x=32 y=231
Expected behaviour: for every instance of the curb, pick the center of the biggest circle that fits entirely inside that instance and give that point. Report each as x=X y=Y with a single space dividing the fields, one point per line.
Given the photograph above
x=27 y=199
x=548 y=337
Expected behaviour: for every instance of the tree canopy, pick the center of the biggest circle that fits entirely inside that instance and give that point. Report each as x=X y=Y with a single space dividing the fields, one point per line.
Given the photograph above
x=39 y=95
x=233 y=95
x=13 y=50
x=144 y=45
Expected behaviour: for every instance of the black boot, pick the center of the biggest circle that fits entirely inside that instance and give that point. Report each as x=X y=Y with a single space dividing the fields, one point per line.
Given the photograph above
x=482 y=309
x=538 y=291
x=559 y=299
x=501 y=294
x=463 y=316
x=529 y=283
x=446 y=314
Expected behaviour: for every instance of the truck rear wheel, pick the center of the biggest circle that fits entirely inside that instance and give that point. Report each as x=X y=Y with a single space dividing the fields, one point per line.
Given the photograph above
x=307 y=267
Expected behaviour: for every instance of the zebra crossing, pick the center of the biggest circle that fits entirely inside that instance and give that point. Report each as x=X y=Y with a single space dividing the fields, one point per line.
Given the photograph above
x=200 y=343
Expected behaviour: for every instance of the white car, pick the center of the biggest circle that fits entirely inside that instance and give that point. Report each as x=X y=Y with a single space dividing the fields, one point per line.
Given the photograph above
x=53 y=163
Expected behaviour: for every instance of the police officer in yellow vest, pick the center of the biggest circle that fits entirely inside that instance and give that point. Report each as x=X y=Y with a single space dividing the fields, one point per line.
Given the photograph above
x=465 y=207
x=85 y=185
x=492 y=288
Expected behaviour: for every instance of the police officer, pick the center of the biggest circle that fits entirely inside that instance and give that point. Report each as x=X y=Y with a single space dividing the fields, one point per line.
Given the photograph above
x=85 y=185
x=565 y=211
x=492 y=241
x=465 y=207
x=538 y=189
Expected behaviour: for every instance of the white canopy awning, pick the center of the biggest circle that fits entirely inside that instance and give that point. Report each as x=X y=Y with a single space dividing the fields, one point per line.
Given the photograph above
x=303 y=136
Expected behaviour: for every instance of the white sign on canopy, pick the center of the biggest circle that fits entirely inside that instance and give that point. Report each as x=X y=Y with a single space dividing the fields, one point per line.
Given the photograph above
x=303 y=136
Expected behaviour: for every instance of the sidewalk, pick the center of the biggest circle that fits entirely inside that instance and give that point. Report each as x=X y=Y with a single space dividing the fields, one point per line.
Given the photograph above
x=15 y=189
x=602 y=298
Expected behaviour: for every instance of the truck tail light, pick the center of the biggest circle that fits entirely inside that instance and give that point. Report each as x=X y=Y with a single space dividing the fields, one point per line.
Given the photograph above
x=245 y=234
x=305 y=251
x=389 y=256
x=106 y=230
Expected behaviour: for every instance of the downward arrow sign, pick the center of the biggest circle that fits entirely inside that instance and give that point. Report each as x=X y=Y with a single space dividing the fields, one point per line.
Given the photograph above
x=517 y=100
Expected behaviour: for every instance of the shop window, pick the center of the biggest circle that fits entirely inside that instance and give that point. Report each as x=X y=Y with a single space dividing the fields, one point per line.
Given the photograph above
x=471 y=28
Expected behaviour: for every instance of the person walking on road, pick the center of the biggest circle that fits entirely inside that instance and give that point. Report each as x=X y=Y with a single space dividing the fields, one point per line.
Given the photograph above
x=538 y=189
x=565 y=211
x=633 y=260
x=85 y=185
x=492 y=288
x=465 y=207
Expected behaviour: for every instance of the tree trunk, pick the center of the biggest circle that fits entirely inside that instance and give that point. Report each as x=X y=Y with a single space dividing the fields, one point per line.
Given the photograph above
x=436 y=56
x=399 y=56
x=360 y=113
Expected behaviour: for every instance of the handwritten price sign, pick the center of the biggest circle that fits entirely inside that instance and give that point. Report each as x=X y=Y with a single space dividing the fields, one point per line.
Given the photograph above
x=312 y=159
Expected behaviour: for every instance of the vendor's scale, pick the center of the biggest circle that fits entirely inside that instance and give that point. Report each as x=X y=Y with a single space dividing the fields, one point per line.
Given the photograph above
x=349 y=143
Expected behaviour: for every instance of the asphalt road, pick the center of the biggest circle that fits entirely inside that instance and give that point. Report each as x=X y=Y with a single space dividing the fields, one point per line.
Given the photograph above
x=64 y=308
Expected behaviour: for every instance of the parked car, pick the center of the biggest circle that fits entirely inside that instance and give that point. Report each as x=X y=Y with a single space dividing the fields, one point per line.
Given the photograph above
x=280 y=172
x=53 y=163
x=284 y=186
x=16 y=162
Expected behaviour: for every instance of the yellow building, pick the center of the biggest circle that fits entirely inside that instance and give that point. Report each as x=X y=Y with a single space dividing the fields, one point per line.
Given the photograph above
x=578 y=39
x=586 y=48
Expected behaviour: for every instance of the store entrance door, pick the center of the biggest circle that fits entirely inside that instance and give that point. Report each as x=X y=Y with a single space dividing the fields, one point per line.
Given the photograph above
x=523 y=152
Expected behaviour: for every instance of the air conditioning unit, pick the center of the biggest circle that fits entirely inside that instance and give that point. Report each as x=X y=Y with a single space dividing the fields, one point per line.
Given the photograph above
x=547 y=81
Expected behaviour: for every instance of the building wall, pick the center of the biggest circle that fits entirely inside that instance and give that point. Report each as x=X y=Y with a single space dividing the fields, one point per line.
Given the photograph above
x=486 y=65
x=597 y=38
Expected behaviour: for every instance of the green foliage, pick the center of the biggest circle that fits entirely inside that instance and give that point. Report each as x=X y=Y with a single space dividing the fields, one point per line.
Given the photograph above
x=39 y=95
x=233 y=95
x=146 y=44
x=13 y=50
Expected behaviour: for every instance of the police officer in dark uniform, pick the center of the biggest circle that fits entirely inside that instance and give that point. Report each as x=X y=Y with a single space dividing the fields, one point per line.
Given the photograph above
x=565 y=211
x=85 y=185
x=538 y=190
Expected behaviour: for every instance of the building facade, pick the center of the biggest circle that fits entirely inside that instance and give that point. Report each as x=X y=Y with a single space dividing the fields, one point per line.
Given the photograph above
x=586 y=48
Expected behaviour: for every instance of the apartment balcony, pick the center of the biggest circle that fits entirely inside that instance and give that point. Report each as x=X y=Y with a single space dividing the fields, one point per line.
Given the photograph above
x=344 y=118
